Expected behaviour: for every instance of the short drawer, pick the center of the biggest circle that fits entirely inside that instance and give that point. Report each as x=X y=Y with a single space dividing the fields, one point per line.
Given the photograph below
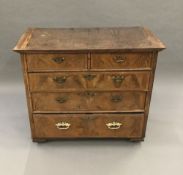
x=131 y=80
x=121 y=61
x=57 y=62
x=88 y=125
x=89 y=101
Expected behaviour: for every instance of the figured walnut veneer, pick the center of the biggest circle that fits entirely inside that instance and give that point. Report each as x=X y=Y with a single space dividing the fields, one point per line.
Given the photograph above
x=88 y=82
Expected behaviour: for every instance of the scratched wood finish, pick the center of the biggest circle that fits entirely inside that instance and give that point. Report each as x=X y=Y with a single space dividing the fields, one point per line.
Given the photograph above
x=88 y=39
x=73 y=81
x=88 y=125
x=93 y=101
x=89 y=77
x=121 y=61
x=46 y=62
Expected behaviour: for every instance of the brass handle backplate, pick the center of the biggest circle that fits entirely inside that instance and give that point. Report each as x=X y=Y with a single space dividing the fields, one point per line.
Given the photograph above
x=118 y=79
x=62 y=125
x=60 y=80
x=114 y=125
x=119 y=58
x=61 y=99
x=116 y=98
x=58 y=60
x=89 y=76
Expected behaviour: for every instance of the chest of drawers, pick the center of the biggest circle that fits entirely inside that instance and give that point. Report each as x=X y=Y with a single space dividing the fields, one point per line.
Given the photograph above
x=88 y=82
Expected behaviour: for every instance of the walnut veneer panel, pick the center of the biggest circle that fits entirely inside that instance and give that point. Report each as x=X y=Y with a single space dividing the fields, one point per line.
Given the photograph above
x=89 y=101
x=88 y=125
x=92 y=80
x=56 y=62
x=121 y=61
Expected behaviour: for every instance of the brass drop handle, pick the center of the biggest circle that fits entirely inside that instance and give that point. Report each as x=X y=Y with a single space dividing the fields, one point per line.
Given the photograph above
x=62 y=125
x=60 y=80
x=114 y=125
x=61 y=99
x=119 y=59
x=58 y=59
x=116 y=98
x=89 y=76
x=118 y=78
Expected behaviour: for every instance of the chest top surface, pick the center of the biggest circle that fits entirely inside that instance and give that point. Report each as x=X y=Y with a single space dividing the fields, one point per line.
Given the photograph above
x=78 y=39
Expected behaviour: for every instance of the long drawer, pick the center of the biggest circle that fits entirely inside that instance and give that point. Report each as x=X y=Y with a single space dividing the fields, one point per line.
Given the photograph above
x=89 y=101
x=133 y=80
x=88 y=125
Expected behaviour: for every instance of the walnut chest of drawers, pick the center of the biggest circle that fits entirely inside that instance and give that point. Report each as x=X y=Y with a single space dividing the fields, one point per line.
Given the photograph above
x=88 y=82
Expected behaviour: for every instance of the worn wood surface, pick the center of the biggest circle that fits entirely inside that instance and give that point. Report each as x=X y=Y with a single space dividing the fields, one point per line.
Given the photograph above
x=88 y=125
x=149 y=93
x=93 y=39
x=28 y=94
x=121 y=61
x=89 y=77
x=89 y=100
x=57 y=62
x=74 y=81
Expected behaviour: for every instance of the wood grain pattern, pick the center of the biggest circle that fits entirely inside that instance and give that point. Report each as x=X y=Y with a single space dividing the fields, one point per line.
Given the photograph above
x=93 y=39
x=88 y=125
x=28 y=94
x=68 y=81
x=89 y=77
x=73 y=81
x=46 y=62
x=89 y=100
x=149 y=93
x=121 y=61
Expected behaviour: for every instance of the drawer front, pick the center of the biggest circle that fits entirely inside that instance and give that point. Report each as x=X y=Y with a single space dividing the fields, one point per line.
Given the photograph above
x=90 y=125
x=132 y=80
x=58 y=62
x=57 y=81
x=121 y=61
x=89 y=101
x=93 y=80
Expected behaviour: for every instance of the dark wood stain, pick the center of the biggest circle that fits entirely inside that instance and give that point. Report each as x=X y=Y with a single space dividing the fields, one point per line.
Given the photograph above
x=85 y=78
x=69 y=39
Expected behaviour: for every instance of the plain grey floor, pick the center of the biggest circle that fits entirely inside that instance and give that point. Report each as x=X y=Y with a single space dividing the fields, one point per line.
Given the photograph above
x=160 y=153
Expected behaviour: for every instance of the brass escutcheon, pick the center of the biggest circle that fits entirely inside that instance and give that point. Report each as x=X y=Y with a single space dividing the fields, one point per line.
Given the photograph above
x=61 y=99
x=118 y=78
x=119 y=58
x=116 y=98
x=58 y=60
x=89 y=76
x=60 y=80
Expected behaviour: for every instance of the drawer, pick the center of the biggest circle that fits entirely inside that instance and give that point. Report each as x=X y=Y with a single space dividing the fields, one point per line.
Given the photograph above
x=134 y=80
x=57 y=62
x=89 y=101
x=57 y=81
x=129 y=80
x=121 y=61
x=90 y=125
